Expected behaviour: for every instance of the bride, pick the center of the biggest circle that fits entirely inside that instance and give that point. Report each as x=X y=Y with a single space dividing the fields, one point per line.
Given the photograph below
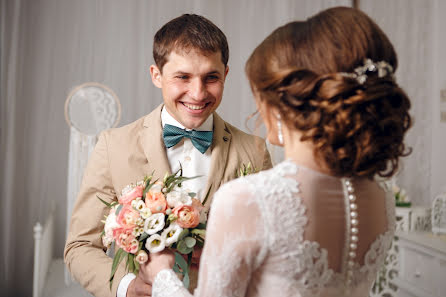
x=317 y=224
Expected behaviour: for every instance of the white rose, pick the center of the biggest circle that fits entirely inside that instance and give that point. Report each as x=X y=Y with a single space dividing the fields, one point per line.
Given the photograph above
x=107 y=239
x=154 y=223
x=155 y=243
x=171 y=234
x=176 y=198
x=110 y=222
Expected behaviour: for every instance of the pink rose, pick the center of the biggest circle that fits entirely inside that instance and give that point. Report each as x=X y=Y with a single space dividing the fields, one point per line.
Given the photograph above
x=126 y=240
x=156 y=202
x=132 y=195
x=127 y=217
x=187 y=216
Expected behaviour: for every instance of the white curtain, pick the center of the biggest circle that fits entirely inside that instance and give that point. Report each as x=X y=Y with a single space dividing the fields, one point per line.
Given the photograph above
x=49 y=46
x=413 y=28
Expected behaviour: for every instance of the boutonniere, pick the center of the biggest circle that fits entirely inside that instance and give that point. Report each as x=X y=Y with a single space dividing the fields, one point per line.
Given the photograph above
x=246 y=169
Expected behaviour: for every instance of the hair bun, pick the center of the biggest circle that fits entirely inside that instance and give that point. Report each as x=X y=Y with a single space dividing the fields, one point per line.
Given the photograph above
x=358 y=130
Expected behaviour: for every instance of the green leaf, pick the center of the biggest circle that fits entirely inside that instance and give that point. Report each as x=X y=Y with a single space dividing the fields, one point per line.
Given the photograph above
x=183 y=234
x=186 y=280
x=176 y=269
x=181 y=263
x=105 y=202
x=183 y=248
x=171 y=218
x=120 y=254
x=190 y=242
x=181 y=266
x=200 y=232
x=177 y=180
x=118 y=209
x=147 y=187
x=131 y=262
x=200 y=241
x=201 y=226
x=143 y=236
x=136 y=267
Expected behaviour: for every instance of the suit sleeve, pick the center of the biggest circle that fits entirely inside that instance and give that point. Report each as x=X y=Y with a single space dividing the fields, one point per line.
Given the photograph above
x=84 y=252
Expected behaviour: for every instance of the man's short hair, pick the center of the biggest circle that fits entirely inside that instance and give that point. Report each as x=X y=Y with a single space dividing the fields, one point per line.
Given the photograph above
x=187 y=32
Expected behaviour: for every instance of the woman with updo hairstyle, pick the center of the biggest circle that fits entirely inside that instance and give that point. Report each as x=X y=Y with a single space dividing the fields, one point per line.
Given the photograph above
x=320 y=222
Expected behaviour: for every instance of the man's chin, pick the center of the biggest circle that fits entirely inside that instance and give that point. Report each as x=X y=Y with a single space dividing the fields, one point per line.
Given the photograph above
x=194 y=124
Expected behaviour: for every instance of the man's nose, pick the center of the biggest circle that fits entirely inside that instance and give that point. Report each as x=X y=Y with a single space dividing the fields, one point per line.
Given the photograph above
x=198 y=90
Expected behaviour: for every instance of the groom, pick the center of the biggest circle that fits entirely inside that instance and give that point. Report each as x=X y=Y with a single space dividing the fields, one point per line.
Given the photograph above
x=191 y=56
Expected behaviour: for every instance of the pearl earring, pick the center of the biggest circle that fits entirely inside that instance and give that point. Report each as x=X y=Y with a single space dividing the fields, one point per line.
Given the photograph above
x=279 y=130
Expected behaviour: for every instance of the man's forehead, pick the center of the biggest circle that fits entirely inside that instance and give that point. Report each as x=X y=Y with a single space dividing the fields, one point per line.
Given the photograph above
x=187 y=51
x=182 y=56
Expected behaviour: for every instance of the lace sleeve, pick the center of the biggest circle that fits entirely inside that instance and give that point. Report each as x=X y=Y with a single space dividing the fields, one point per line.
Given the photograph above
x=235 y=247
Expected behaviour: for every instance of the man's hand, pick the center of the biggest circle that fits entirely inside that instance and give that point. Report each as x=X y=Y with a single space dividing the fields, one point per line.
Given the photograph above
x=138 y=288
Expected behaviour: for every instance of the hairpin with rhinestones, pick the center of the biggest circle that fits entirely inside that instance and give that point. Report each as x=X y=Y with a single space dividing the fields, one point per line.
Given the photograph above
x=360 y=73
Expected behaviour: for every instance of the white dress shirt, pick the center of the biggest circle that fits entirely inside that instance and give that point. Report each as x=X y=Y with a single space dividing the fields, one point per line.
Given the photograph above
x=194 y=163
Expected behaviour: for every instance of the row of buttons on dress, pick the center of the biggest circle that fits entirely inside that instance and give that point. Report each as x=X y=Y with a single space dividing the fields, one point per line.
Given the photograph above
x=354 y=230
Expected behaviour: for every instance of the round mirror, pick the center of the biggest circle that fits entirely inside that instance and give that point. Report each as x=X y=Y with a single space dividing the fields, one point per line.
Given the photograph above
x=91 y=108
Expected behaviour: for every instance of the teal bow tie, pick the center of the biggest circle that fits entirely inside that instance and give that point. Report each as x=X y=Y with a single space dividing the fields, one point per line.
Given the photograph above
x=200 y=139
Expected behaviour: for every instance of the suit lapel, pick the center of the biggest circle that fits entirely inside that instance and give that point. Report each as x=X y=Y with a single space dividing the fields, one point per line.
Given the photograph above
x=151 y=137
x=220 y=149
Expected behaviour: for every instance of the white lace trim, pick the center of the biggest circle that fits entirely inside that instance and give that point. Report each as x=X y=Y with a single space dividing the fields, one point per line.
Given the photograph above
x=166 y=283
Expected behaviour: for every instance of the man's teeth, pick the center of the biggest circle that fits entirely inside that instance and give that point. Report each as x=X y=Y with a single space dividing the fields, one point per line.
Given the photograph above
x=194 y=107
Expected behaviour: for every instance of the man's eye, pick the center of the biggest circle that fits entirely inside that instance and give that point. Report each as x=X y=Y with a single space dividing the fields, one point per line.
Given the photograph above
x=212 y=78
x=182 y=77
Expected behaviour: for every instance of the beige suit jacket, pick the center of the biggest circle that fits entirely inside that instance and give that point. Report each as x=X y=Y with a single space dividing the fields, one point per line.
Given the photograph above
x=125 y=155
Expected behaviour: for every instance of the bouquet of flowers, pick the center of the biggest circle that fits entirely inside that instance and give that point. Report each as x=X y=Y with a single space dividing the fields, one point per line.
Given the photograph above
x=152 y=215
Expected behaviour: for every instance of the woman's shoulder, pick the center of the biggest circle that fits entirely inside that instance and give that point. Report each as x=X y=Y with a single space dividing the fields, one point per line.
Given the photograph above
x=260 y=184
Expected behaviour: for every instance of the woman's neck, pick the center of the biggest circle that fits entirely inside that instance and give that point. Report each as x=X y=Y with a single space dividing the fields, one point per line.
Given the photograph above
x=301 y=152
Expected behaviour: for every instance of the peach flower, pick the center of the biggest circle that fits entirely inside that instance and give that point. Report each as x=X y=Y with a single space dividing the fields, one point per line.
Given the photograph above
x=127 y=198
x=187 y=216
x=197 y=204
x=126 y=240
x=156 y=202
x=127 y=217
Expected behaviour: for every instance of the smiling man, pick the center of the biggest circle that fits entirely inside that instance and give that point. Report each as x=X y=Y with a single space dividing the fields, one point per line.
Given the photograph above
x=191 y=56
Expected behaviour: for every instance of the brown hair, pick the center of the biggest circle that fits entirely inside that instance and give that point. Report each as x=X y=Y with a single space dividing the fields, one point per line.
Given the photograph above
x=357 y=129
x=189 y=31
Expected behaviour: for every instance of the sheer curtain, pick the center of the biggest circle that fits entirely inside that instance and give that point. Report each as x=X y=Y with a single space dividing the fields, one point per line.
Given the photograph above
x=411 y=26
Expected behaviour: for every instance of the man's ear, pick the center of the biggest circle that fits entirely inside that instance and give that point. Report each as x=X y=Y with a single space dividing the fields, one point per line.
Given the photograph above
x=155 y=74
x=226 y=71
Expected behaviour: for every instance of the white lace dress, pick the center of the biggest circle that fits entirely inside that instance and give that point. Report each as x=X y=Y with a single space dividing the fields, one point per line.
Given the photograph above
x=291 y=231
